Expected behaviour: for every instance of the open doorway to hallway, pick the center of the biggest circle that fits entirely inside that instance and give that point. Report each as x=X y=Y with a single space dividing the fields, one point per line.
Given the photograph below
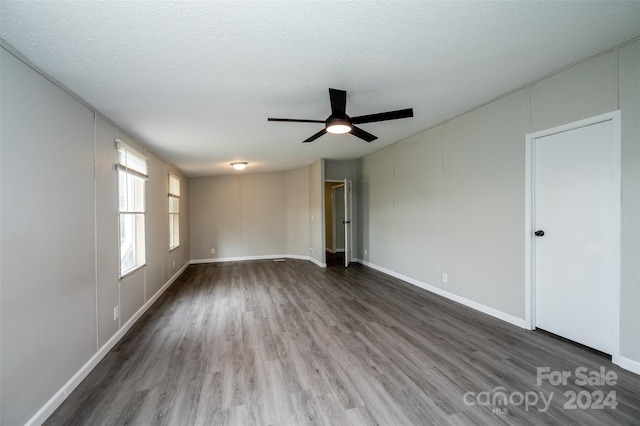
x=337 y=216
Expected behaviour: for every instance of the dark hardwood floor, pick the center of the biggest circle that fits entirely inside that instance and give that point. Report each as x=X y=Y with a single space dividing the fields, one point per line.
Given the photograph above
x=287 y=343
x=335 y=259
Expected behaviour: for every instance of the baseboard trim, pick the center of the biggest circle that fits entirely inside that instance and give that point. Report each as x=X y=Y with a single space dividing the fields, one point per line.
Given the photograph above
x=239 y=258
x=627 y=364
x=317 y=262
x=58 y=398
x=262 y=257
x=519 y=322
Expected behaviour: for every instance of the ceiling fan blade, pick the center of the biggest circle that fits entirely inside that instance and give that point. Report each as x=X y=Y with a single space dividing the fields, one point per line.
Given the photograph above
x=314 y=137
x=383 y=116
x=357 y=131
x=295 y=120
x=338 y=102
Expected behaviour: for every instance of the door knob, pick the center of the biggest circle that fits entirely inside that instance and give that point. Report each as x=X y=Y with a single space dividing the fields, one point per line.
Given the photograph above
x=539 y=233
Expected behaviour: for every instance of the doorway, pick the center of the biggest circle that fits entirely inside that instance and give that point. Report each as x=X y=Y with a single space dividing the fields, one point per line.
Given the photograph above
x=572 y=231
x=338 y=218
x=338 y=222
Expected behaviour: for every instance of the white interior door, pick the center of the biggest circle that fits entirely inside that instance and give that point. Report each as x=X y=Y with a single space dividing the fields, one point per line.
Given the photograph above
x=575 y=191
x=348 y=225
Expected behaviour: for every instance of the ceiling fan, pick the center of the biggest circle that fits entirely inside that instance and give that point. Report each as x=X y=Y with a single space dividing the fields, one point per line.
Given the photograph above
x=339 y=122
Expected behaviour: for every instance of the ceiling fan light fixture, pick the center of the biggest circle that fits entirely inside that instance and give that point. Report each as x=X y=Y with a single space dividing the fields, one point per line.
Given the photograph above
x=338 y=126
x=239 y=165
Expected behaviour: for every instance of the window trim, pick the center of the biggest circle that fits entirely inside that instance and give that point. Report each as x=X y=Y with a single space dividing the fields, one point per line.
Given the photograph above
x=175 y=196
x=123 y=151
x=132 y=271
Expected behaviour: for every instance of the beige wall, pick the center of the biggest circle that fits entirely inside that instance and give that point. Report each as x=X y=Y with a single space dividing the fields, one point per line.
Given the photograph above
x=586 y=89
x=48 y=308
x=215 y=217
x=483 y=204
x=316 y=210
x=340 y=169
x=297 y=212
x=238 y=216
x=107 y=263
x=262 y=214
x=377 y=208
x=417 y=190
x=59 y=270
x=257 y=215
x=451 y=199
x=629 y=92
x=250 y=215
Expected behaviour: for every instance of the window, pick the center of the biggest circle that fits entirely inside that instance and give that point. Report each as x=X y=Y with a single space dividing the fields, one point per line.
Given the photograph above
x=132 y=177
x=174 y=212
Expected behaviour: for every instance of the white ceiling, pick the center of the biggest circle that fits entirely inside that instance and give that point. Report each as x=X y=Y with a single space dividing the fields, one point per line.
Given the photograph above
x=196 y=81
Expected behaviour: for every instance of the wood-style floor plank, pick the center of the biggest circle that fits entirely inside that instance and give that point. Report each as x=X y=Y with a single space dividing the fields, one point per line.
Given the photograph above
x=288 y=343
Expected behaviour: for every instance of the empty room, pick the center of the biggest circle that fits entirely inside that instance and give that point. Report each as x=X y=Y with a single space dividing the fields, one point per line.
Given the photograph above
x=319 y=212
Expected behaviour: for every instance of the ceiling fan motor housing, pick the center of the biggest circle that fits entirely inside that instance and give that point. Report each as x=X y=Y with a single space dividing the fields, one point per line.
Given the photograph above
x=338 y=119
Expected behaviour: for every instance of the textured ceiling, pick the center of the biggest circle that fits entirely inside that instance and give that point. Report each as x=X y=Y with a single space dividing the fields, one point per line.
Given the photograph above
x=196 y=81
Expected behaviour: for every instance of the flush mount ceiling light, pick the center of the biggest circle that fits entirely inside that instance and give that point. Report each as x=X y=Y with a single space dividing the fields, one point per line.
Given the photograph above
x=239 y=165
x=338 y=126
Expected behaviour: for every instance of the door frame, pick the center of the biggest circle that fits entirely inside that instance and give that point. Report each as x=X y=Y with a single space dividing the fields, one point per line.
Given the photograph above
x=614 y=117
x=338 y=182
x=348 y=224
x=334 y=224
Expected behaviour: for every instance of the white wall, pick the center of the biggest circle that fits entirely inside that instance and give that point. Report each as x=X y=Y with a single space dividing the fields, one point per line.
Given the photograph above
x=451 y=199
x=59 y=239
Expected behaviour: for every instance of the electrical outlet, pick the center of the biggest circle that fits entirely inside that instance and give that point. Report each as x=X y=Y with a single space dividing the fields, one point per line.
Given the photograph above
x=311 y=249
x=445 y=277
x=213 y=251
x=116 y=312
x=174 y=264
x=366 y=252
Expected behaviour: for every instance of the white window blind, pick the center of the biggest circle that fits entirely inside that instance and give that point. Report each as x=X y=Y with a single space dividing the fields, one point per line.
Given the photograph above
x=174 y=186
x=130 y=160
